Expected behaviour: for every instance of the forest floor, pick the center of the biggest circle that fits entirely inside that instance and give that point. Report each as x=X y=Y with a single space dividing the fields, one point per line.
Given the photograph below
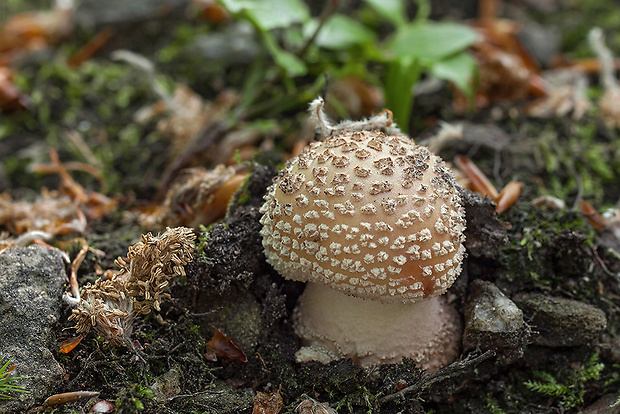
x=108 y=117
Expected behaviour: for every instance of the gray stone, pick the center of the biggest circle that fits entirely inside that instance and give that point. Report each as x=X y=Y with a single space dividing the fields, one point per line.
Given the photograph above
x=494 y=322
x=543 y=42
x=604 y=405
x=238 y=318
x=225 y=399
x=96 y=12
x=31 y=284
x=485 y=234
x=561 y=322
x=237 y=43
x=168 y=385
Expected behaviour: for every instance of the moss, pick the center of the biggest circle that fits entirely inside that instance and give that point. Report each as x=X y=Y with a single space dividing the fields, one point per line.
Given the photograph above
x=242 y=196
x=96 y=101
x=568 y=386
x=551 y=250
x=577 y=160
x=493 y=406
x=131 y=400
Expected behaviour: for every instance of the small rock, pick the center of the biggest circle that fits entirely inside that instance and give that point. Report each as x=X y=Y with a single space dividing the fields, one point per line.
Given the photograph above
x=610 y=348
x=225 y=399
x=603 y=405
x=235 y=44
x=31 y=283
x=542 y=42
x=96 y=13
x=167 y=385
x=494 y=322
x=485 y=234
x=560 y=321
x=102 y=406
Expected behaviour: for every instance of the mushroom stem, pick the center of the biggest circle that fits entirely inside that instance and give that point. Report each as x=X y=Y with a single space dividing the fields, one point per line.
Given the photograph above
x=334 y=325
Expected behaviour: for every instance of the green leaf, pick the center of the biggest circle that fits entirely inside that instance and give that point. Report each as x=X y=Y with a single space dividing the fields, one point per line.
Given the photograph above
x=458 y=69
x=291 y=64
x=400 y=78
x=392 y=10
x=340 y=32
x=6 y=382
x=270 y=14
x=431 y=41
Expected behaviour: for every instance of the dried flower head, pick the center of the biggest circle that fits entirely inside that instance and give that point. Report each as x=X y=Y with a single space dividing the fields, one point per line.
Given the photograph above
x=110 y=306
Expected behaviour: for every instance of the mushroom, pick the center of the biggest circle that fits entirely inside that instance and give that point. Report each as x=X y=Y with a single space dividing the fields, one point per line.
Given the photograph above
x=374 y=224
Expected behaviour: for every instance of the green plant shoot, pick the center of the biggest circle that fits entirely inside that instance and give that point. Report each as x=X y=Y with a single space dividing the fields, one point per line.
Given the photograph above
x=6 y=382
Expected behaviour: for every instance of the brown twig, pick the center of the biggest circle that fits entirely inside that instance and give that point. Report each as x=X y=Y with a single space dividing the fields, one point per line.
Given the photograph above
x=91 y=47
x=332 y=6
x=601 y=263
x=69 y=166
x=68 y=397
x=440 y=375
x=75 y=287
x=75 y=190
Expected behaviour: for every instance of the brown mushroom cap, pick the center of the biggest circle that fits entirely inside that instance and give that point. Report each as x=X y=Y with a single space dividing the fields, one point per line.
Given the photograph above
x=371 y=215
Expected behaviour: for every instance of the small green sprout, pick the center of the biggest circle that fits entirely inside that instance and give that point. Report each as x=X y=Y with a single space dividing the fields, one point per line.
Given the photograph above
x=572 y=390
x=6 y=382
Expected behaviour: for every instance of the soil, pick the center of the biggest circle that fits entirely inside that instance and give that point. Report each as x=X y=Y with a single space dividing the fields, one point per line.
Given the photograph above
x=229 y=286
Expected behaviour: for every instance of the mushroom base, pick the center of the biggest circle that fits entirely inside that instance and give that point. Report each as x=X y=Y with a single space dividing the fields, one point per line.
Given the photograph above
x=334 y=325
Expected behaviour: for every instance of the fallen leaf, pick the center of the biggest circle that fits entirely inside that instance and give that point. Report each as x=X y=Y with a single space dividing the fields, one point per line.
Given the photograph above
x=68 y=397
x=26 y=32
x=11 y=98
x=222 y=346
x=267 y=403
x=592 y=216
x=198 y=196
x=68 y=345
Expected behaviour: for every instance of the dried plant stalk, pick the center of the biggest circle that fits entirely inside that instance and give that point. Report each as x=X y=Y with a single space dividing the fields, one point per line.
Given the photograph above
x=110 y=306
x=325 y=127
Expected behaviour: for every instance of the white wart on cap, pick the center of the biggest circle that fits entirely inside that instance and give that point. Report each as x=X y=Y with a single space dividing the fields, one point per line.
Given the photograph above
x=370 y=215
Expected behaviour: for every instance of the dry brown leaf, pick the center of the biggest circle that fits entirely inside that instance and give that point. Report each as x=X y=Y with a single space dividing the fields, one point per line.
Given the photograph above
x=356 y=96
x=68 y=345
x=26 y=32
x=55 y=212
x=566 y=94
x=507 y=72
x=10 y=97
x=51 y=212
x=223 y=346
x=267 y=403
x=198 y=196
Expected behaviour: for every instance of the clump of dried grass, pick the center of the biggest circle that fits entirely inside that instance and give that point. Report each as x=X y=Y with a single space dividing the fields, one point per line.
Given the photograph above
x=110 y=306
